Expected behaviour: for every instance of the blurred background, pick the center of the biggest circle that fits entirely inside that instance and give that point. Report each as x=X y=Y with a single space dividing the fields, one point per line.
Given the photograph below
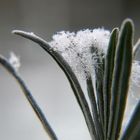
x=44 y=78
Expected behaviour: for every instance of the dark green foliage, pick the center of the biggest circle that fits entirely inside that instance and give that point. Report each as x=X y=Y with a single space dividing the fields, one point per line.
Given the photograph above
x=119 y=89
x=109 y=68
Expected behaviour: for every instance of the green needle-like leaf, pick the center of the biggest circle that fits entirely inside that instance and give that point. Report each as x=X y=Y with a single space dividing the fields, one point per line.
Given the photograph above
x=29 y=97
x=99 y=72
x=93 y=103
x=108 y=72
x=132 y=131
x=69 y=74
x=122 y=69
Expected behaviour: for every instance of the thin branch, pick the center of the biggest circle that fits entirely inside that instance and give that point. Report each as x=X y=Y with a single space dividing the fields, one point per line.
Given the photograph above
x=4 y=62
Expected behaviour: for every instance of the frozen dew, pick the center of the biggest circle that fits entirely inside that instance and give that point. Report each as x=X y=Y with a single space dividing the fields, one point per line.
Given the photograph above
x=14 y=61
x=82 y=49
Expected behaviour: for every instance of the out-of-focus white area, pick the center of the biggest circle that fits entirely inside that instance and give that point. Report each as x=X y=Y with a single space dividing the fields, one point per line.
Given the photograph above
x=44 y=78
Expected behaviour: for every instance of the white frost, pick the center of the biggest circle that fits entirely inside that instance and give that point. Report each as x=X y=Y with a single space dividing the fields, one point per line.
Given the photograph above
x=82 y=49
x=14 y=61
x=76 y=49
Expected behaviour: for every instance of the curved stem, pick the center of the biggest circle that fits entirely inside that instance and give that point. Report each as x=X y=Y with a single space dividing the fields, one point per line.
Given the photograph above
x=29 y=97
x=69 y=74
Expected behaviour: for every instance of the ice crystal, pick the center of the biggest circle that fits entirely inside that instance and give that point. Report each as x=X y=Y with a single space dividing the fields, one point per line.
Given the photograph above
x=82 y=49
x=15 y=61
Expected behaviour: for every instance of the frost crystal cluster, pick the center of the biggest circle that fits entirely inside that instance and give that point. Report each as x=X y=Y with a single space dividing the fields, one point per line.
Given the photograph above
x=15 y=61
x=85 y=50
x=82 y=49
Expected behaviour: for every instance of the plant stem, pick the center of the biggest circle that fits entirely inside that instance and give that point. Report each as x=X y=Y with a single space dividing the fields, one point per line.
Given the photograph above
x=29 y=97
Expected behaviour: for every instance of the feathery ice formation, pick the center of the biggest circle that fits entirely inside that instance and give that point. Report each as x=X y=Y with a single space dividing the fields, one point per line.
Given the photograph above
x=83 y=49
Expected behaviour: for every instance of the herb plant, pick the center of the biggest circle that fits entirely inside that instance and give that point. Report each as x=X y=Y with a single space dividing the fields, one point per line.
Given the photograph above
x=106 y=63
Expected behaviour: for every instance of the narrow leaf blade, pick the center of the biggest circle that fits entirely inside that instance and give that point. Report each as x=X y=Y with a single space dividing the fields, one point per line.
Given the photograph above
x=122 y=69
x=4 y=62
x=93 y=103
x=108 y=72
